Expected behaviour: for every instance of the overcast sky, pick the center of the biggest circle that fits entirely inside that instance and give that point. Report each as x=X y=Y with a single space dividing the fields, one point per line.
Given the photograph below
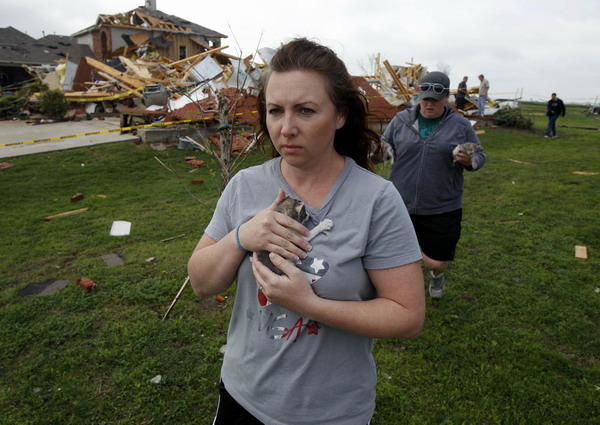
x=537 y=46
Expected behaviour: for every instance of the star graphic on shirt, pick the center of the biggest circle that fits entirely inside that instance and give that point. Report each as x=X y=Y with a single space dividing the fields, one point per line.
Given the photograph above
x=317 y=265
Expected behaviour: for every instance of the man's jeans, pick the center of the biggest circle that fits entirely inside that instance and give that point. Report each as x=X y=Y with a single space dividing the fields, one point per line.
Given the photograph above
x=481 y=105
x=551 y=130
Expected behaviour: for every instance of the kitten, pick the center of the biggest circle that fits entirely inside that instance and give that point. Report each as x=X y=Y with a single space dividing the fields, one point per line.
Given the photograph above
x=295 y=209
x=468 y=148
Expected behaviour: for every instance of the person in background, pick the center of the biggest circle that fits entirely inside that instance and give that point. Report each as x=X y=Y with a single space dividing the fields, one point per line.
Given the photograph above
x=299 y=345
x=461 y=94
x=484 y=87
x=554 y=109
x=427 y=176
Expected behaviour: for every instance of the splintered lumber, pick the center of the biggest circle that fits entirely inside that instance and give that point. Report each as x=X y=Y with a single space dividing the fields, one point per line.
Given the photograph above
x=401 y=87
x=581 y=252
x=192 y=59
x=121 y=77
x=141 y=73
x=51 y=217
x=122 y=84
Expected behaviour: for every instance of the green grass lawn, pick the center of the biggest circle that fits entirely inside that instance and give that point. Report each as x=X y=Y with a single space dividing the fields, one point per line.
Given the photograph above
x=516 y=340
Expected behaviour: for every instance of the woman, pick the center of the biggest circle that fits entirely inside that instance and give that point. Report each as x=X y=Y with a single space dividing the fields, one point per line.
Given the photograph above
x=299 y=345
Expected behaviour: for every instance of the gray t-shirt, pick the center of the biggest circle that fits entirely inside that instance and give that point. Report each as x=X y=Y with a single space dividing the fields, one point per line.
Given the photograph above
x=284 y=368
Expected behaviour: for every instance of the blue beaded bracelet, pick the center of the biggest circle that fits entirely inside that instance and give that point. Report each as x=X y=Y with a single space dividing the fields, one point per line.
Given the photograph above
x=237 y=239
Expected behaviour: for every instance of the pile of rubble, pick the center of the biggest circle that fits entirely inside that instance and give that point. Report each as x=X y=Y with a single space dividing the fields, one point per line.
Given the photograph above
x=186 y=89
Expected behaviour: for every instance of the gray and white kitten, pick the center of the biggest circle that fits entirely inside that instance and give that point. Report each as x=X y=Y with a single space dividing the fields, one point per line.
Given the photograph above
x=468 y=148
x=294 y=208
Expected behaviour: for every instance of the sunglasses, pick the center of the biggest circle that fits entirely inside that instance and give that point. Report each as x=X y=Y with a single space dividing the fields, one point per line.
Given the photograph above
x=436 y=87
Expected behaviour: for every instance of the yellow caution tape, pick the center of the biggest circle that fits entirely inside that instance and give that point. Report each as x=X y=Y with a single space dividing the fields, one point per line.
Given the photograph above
x=135 y=127
x=121 y=129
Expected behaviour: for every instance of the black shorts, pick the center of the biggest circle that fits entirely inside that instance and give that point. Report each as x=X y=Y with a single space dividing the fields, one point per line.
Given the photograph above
x=438 y=234
x=229 y=412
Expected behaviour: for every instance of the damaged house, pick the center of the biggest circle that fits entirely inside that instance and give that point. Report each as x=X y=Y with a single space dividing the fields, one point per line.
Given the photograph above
x=147 y=33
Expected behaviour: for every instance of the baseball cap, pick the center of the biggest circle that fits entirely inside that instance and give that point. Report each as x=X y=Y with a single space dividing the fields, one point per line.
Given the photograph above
x=435 y=85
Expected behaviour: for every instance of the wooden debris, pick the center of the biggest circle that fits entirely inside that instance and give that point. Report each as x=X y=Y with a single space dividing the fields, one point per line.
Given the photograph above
x=399 y=84
x=172 y=237
x=187 y=279
x=52 y=217
x=584 y=173
x=520 y=162
x=5 y=165
x=581 y=252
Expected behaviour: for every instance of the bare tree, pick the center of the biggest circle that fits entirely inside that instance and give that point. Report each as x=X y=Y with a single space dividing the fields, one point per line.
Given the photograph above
x=444 y=67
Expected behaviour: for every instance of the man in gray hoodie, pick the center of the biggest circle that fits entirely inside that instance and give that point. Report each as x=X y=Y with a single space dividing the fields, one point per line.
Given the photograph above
x=428 y=171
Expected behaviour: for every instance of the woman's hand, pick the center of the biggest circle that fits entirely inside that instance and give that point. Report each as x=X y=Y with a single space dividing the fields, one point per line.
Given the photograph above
x=273 y=231
x=398 y=311
x=464 y=159
x=291 y=290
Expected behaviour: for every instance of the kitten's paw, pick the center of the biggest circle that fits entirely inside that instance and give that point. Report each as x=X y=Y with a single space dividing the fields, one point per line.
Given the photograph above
x=326 y=224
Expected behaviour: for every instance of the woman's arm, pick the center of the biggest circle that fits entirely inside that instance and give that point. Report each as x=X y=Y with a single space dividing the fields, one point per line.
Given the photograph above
x=398 y=311
x=214 y=264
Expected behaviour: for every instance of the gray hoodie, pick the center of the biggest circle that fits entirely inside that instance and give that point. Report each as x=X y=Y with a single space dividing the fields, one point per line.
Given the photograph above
x=423 y=171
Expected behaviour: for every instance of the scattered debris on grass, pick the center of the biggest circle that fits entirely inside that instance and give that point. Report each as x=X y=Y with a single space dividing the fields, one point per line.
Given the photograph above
x=191 y=160
x=156 y=380
x=87 y=284
x=187 y=279
x=584 y=173
x=113 y=260
x=76 y=198
x=52 y=217
x=120 y=228
x=173 y=237
x=581 y=252
x=158 y=146
x=5 y=165
x=47 y=287
x=520 y=162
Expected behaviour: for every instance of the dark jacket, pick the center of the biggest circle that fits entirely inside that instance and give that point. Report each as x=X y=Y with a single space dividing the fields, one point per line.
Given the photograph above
x=423 y=171
x=556 y=107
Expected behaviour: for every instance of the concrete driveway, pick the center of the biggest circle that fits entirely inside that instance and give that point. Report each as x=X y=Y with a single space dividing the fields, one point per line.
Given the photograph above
x=20 y=131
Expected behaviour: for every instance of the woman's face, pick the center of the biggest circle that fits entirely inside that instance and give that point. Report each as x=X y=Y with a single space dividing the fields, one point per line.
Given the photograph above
x=301 y=118
x=431 y=108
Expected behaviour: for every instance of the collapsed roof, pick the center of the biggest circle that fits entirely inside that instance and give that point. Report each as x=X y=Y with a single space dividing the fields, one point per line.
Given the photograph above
x=151 y=20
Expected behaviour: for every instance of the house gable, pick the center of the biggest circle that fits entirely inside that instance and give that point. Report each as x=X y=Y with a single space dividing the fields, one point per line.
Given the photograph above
x=172 y=37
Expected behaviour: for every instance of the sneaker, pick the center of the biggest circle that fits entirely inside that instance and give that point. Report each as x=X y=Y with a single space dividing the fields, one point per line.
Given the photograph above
x=437 y=286
x=555 y=136
x=546 y=136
